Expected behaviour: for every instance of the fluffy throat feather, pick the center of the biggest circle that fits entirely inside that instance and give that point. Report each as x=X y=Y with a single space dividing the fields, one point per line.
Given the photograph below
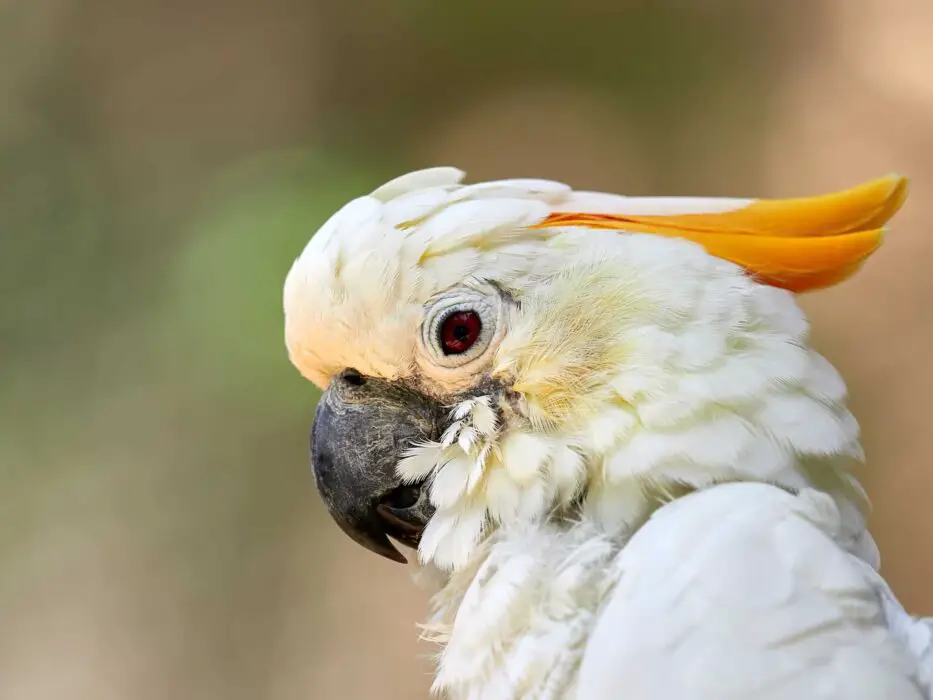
x=494 y=469
x=514 y=622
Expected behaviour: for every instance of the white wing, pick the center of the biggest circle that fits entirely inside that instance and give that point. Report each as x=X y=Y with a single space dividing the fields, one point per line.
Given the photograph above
x=741 y=592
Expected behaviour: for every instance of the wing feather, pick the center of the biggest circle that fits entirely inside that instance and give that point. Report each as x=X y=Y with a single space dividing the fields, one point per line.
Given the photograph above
x=741 y=592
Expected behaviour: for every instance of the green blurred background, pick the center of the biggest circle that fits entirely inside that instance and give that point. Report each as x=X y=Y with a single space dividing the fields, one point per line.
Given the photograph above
x=163 y=161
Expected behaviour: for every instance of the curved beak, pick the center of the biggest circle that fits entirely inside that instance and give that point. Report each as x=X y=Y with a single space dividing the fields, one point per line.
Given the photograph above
x=362 y=427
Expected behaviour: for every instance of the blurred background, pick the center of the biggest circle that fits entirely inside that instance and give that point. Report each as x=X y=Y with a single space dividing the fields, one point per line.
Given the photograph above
x=163 y=161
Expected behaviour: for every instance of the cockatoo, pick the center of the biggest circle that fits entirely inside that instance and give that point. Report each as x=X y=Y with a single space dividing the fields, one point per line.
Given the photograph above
x=598 y=420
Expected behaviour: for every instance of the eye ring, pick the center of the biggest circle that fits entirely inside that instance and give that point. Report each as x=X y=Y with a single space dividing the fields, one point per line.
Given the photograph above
x=459 y=328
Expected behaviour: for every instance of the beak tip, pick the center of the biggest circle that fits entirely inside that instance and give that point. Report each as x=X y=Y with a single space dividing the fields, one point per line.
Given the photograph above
x=382 y=545
x=372 y=536
x=390 y=551
x=398 y=557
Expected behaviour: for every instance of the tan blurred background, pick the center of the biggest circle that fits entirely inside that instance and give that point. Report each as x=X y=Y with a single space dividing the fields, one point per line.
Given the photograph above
x=163 y=161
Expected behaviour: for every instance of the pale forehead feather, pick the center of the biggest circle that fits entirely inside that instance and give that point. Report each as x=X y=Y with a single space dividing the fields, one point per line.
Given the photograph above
x=354 y=295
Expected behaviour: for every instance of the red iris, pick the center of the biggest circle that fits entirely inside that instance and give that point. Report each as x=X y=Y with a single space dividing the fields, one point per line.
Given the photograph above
x=460 y=331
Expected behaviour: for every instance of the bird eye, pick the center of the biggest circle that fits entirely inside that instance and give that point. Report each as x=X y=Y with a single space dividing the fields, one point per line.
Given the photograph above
x=459 y=331
x=459 y=328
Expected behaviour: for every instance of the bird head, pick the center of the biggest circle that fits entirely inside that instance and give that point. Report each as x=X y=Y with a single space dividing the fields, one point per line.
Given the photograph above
x=504 y=353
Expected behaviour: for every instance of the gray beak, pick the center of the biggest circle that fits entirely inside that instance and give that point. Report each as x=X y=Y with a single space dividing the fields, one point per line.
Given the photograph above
x=361 y=429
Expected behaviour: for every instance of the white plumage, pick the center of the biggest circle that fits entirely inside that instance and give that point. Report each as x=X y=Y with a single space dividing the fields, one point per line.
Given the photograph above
x=654 y=499
x=745 y=591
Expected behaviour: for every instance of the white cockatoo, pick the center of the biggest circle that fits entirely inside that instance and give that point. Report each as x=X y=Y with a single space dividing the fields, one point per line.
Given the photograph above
x=598 y=420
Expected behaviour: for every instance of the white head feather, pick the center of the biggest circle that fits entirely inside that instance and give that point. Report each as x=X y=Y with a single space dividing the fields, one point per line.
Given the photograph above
x=624 y=367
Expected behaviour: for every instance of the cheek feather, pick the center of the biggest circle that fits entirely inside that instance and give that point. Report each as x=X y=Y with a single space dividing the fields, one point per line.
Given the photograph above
x=565 y=344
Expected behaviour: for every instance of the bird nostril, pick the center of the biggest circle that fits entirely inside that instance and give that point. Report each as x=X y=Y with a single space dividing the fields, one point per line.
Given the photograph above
x=403 y=497
x=353 y=378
